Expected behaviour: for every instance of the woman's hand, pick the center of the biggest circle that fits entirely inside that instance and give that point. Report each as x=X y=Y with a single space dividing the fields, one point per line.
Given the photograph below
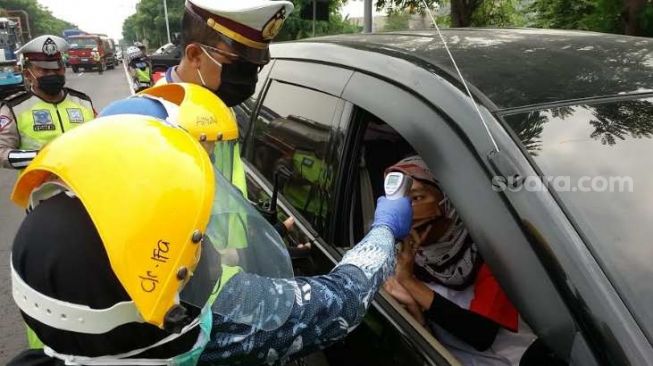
x=406 y=256
x=396 y=290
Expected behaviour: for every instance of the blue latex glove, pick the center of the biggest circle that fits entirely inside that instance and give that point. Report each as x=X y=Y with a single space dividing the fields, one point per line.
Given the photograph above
x=397 y=215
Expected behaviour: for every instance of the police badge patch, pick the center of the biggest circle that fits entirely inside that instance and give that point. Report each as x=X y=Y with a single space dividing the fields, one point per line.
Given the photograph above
x=4 y=122
x=75 y=115
x=43 y=120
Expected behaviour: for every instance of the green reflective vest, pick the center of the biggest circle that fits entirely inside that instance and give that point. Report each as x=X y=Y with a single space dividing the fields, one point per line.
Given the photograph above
x=40 y=122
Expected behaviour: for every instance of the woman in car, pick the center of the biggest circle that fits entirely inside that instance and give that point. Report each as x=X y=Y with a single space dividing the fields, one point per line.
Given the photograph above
x=444 y=283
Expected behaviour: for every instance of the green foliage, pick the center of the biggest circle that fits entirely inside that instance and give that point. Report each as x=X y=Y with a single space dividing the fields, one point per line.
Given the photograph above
x=563 y=14
x=646 y=20
x=411 y=6
x=41 y=19
x=397 y=21
x=148 y=24
x=297 y=28
x=498 y=13
x=609 y=16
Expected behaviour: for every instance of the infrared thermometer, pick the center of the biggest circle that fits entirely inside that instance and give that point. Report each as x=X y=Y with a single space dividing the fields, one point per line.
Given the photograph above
x=397 y=185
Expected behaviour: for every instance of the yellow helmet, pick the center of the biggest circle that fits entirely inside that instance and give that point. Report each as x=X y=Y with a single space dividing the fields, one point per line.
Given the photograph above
x=200 y=112
x=148 y=188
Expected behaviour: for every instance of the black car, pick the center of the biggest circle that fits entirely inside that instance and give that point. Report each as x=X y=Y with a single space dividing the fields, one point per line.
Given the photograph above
x=166 y=56
x=334 y=112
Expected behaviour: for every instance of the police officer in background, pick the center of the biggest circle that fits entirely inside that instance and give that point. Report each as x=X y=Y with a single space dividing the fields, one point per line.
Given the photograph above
x=224 y=44
x=33 y=118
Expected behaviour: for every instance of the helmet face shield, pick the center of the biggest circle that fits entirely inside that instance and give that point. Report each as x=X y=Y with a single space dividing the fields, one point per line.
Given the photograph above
x=239 y=239
x=222 y=157
x=205 y=278
x=243 y=237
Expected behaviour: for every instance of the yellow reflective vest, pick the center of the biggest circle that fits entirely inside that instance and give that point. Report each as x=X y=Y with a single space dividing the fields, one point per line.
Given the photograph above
x=40 y=122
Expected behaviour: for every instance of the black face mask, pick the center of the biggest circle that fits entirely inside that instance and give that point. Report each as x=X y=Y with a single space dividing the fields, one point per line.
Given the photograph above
x=51 y=84
x=238 y=82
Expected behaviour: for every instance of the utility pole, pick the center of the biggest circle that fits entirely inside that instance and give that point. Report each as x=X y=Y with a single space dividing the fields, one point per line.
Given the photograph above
x=367 y=27
x=314 y=15
x=165 y=11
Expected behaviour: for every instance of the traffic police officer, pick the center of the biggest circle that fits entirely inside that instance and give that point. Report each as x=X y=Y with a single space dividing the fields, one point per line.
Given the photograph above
x=224 y=45
x=33 y=118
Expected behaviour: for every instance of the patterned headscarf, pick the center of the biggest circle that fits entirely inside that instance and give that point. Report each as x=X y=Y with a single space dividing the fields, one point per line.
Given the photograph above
x=451 y=259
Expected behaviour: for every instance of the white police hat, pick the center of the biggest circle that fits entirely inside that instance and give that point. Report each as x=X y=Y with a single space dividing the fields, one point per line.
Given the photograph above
x=44 y=51
x=250 y=25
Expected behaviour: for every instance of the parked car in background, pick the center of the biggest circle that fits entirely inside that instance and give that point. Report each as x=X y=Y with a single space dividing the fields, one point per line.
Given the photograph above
x=119 y=54
x=81 y=53
x=164 y=57
x=337 y=111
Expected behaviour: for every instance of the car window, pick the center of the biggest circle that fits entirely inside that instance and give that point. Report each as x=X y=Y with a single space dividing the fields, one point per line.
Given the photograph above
x=293 y=133
x=245 y=110
x=170 y=50
x=597 y=159
x=82 y=43
x=380 y=147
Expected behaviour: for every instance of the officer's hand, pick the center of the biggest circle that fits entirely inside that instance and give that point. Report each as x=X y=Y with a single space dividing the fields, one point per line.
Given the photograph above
x=397 y=215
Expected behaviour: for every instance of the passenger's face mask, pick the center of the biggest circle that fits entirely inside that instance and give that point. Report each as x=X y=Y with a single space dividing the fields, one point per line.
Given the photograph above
x=238 y=82
x=51 y=85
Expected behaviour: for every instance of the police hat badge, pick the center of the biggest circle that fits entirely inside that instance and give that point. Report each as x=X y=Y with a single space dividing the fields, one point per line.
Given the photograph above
x=50 y=47
x=273 y=26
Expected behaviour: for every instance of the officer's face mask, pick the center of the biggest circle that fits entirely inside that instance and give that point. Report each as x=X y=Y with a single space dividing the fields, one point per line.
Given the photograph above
x=238 y=82
x=51 y=84
x=199 y=73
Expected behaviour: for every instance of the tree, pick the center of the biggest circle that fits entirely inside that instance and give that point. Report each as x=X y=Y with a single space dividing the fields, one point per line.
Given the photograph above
x=297 y=28
x=464 y=13
x=41 y=20
x=148 y=23
x=617 y=121
x=632 y=17
x=397 y=21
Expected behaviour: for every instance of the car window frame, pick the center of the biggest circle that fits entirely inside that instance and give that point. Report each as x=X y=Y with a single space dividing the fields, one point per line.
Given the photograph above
x=315 y=79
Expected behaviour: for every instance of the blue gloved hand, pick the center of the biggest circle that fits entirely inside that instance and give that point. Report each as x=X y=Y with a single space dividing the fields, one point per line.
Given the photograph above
x=397 y=215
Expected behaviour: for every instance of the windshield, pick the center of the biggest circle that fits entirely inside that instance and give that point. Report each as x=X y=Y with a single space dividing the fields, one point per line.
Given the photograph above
x=83 y=43
x=165 y=49
x=598 y=160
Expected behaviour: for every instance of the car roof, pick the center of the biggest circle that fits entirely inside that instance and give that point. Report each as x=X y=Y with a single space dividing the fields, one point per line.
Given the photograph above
x=514 y=68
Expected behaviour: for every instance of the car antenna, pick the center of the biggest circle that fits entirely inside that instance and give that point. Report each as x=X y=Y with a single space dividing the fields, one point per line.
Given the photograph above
x=462 y=79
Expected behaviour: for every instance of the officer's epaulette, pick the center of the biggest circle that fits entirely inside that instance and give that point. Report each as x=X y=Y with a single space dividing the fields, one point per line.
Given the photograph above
x=78 y=94
x=16 y=98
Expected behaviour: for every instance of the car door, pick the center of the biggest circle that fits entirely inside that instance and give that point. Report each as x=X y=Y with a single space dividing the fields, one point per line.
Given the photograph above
x=300 y=124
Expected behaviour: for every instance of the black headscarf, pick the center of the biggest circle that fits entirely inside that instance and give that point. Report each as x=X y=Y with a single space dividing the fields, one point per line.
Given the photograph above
x=58 y=252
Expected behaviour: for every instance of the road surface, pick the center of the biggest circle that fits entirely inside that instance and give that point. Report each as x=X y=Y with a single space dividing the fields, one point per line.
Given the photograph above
x=103 y=89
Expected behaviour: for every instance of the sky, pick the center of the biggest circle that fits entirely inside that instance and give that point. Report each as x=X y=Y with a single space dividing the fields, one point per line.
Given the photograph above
x=93 y=16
